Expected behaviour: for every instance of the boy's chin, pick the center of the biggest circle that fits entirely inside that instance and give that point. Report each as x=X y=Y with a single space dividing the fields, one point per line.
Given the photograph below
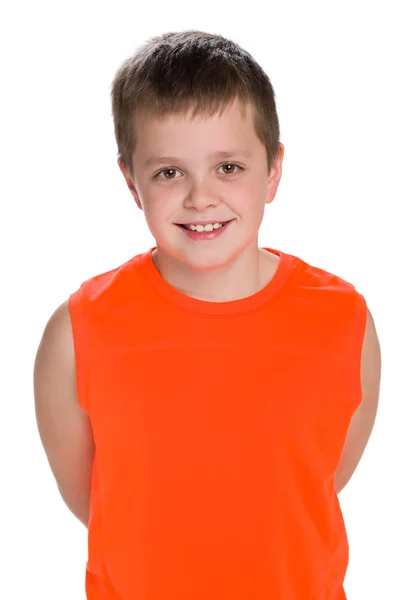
x=207 y=258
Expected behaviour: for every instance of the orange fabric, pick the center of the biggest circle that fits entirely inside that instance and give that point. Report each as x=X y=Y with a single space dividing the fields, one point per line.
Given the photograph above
x=218 y=429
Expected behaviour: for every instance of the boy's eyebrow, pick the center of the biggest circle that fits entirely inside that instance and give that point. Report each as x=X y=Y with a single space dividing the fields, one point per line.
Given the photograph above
x=154 y=160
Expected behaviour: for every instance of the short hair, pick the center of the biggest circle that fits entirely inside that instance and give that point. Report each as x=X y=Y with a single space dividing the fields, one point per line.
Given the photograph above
x=176 y=72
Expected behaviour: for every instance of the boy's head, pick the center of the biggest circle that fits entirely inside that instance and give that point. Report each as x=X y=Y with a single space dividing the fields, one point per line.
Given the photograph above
x=186 y=96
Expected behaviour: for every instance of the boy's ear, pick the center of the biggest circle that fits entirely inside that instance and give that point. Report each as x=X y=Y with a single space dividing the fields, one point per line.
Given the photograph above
x=276 y=171
x=275 y=175
x=130 y=183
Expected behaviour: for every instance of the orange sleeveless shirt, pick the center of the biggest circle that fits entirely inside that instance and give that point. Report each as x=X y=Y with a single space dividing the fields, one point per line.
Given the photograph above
x=218 y=429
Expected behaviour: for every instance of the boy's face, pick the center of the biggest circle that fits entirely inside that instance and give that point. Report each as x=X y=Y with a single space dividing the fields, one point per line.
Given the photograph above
x=193 y=186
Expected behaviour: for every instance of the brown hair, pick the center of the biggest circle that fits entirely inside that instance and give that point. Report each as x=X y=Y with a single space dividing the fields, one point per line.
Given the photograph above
x=178 y=71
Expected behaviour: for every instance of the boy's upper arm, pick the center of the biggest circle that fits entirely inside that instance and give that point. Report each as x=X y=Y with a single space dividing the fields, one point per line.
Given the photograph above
x=363 y=420
x=64 y=427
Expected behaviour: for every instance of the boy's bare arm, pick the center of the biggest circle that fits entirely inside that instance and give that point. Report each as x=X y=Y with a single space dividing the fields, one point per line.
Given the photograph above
x=363 y=420
x=64 y=427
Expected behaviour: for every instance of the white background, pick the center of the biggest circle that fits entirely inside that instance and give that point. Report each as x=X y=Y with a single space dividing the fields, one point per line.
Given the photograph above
x=67 y=215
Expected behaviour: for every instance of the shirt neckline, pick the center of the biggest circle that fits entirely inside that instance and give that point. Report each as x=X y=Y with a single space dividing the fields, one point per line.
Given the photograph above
x=204 y=307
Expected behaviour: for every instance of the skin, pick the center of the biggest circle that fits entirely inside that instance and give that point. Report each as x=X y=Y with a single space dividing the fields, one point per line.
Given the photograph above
x=200 y=188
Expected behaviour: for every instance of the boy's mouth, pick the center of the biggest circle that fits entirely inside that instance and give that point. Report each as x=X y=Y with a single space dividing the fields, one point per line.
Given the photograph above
x=207 y=232
x=203 y=227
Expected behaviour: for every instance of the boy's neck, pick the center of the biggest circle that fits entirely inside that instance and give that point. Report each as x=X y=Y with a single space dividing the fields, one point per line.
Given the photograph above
x=246 y=275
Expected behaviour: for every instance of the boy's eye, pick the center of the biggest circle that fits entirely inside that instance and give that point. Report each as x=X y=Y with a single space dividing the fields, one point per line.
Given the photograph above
x=169 y=169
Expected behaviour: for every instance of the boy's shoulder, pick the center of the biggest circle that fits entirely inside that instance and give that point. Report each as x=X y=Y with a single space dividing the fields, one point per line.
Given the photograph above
x=321 y=291
x=315 y=276
x=117 y=277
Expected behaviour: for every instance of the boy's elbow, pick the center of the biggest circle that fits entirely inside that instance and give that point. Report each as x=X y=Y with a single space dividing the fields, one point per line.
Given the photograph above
x=78 y=504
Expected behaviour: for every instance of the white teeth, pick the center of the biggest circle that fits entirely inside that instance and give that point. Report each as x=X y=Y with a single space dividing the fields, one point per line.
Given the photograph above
x=208 y=227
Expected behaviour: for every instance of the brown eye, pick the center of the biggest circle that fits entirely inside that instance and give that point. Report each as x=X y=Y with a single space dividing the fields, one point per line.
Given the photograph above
x=166 y=171
x=232 y=166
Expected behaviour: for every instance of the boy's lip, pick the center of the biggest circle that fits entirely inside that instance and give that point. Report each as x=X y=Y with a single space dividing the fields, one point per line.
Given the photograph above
x=203 y=222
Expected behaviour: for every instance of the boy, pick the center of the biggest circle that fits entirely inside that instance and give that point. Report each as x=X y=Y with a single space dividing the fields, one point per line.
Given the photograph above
x=202 y=405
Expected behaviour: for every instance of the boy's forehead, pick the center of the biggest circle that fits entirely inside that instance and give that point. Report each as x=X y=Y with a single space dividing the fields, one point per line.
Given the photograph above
x=155 y=133
x=235 y=110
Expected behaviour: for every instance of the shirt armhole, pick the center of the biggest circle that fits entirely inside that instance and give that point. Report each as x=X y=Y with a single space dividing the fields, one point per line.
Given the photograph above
x=358 y=326
x=81 y=347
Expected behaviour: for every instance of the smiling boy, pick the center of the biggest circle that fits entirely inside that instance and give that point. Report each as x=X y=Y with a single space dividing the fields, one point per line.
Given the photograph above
x=202 y=404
